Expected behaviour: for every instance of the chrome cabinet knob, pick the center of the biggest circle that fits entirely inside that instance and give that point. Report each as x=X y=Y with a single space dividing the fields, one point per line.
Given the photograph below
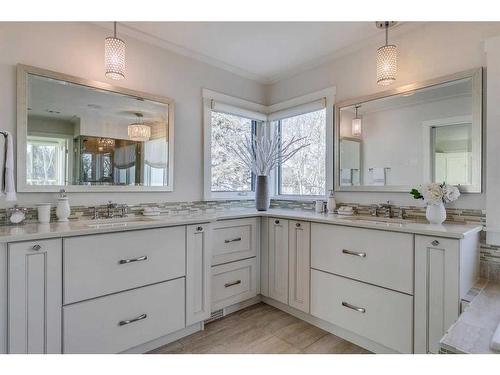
x=435 y=243
x=276 y=221
x=199 y=229
x=297 y=225
x=36 y=247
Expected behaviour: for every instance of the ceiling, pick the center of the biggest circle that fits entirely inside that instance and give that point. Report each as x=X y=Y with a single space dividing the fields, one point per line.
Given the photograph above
x=263 y=51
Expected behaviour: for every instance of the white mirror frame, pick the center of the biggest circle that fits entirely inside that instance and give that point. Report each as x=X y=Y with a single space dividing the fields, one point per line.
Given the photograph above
x=22 y=127
x=477 y=129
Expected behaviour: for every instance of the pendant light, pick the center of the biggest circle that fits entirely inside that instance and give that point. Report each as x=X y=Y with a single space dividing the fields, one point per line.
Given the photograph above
x=114 y=56
x=356 y=122
x=387 y=57
x=138 y=131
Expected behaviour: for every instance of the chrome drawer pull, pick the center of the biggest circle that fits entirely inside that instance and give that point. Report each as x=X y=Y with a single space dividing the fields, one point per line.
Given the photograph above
x=352 y=307
x=232 y=283
x=349 y=252
x=36 y=247
x=435 y=243
x=140 y=259
x=233 y=240
x=199 y=229
x=140 y=317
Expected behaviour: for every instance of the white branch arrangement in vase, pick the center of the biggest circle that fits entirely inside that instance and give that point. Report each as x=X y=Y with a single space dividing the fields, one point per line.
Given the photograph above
x=262 y=154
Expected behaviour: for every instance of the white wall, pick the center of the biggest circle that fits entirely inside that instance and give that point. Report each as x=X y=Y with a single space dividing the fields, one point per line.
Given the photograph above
x=430 y=51
x=493 y=142
x=78 y=49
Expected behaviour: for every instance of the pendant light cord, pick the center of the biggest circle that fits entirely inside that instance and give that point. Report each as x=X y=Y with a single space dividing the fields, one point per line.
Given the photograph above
x=386 y=33
x=114 y=27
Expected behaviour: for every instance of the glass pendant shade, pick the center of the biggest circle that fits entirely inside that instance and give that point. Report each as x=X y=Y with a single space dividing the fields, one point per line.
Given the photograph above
x=139 y=132
x=114 y=57
x=387 y=64
x=356 y=127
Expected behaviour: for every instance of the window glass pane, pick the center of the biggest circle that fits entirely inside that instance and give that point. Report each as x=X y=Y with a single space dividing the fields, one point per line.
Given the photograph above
x=227 y=174
x=304 y=173
x=46 y=161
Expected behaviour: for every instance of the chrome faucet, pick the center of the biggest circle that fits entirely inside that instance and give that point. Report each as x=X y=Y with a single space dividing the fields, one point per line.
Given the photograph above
x=387 y=209
x=374 y=210
x=111 y=206
x=95 y=213
x=123 y=210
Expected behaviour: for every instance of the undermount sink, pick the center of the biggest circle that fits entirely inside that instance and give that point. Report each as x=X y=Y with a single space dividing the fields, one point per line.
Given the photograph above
x=382 y=221
x=116 y=222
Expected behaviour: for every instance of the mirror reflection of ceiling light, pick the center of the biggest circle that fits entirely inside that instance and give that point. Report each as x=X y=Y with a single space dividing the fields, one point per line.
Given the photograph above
x=387 y=57
x=138 y=131
x=356 y=122
x=105 y=143
x=114 y=57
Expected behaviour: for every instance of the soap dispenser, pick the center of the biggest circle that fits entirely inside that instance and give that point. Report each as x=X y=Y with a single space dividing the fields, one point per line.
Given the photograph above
x=331 y=205
x=63 y=209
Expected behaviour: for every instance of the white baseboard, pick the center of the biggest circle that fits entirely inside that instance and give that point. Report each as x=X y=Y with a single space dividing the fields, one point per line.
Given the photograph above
x=242 y=305
x=164 y=340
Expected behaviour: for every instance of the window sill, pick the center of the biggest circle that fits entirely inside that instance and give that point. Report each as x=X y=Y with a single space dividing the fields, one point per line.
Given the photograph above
x=299 y=198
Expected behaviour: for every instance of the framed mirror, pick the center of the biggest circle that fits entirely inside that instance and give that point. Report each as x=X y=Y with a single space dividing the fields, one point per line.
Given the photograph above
x=87 y=136
x=424 y=132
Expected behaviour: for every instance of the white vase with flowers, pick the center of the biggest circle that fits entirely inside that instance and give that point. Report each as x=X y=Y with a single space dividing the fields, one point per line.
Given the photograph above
x=435 y=196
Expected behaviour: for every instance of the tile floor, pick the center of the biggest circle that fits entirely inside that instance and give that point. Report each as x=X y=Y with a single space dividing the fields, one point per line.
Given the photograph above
x=260 y=329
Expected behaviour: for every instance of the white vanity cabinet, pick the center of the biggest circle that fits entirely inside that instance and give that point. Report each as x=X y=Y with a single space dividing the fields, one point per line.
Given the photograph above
x=120 y=261
x=34 y=296
x=299 y=264
x=288 y=262
x=445 y=270
x=115 y=323
x=235 y=262
x=278 y=259
x=198 y=278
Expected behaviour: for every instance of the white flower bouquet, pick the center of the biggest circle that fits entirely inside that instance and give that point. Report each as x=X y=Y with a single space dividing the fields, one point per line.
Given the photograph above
x=435 y=193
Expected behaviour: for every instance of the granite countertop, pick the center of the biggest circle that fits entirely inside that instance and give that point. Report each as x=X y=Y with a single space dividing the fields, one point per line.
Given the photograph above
x=85 y=227
x=473 y=330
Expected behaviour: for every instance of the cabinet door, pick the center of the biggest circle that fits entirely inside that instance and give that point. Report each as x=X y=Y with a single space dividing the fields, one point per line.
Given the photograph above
x=278 y=260
x=198 y=279
x=437 y=296
x=299 y=263
x=35 y=296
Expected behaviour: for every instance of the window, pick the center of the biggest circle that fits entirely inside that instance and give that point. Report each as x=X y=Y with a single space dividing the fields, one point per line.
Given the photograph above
x=304 y=173
x=229 y=121
x=228 y=130
x=46 y=161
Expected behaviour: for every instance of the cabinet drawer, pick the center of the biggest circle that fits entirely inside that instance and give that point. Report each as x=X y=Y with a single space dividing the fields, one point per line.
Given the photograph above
x=121 y=321
x=233 y=283
x=234 y=240
x=108 y=263
x=374 y=256
x=384 y=316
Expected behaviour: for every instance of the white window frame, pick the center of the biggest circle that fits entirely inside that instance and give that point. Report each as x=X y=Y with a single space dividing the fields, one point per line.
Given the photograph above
x=328 y=95
x=68 y=155
x=264 y=113
x=213 y=100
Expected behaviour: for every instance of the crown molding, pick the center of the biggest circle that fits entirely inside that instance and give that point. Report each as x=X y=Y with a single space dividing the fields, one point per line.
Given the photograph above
x=398 y=30
x=130 y=31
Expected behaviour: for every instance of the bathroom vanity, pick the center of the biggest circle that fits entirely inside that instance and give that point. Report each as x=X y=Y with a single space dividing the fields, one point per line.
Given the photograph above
x=131 y=285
